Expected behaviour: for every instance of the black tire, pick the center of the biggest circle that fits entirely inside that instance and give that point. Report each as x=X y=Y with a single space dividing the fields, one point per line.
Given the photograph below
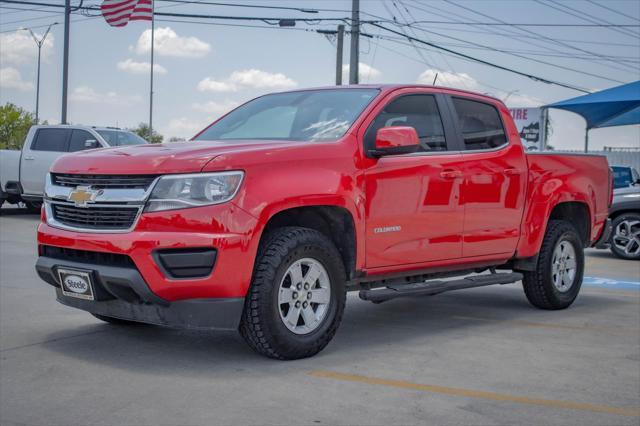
x=538 y=285
x=33 y=206
x=632 y=219
x=261 y=324
x=115 y=321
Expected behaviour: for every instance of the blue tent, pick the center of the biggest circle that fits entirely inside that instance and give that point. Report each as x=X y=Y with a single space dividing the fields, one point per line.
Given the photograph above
x=618 y=106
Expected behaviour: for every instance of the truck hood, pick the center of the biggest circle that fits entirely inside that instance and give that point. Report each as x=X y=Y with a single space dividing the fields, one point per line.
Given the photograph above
x=178 y=157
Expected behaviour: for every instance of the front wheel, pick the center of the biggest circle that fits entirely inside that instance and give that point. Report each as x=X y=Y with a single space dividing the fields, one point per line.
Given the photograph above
x=625 y=238
x=556 y=282
x=297 y=295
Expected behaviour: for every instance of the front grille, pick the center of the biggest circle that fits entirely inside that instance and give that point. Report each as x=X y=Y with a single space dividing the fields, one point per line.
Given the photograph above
x=86 y=256
x=103 y=181
x=96 y=216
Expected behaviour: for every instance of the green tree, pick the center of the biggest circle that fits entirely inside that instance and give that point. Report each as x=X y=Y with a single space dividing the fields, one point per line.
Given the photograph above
x=143 y=131
x=14 y=125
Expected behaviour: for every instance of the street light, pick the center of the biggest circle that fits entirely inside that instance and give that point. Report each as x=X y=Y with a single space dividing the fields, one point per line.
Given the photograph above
x=39 y=43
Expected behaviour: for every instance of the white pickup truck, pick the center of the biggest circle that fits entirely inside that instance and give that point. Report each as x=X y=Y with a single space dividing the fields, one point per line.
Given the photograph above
x=22 y=173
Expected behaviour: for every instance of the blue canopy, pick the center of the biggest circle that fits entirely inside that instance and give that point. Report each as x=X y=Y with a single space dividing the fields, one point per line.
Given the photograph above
x=618 y=106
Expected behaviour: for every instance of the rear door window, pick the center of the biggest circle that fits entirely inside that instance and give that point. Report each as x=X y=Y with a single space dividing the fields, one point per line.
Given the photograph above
x=480 y=124
x=51 y=140
x=78 y=140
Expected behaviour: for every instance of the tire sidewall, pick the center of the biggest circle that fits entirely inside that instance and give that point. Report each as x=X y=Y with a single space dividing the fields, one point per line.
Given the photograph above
x=337 y=299
x=616 y=222
x=567 y=297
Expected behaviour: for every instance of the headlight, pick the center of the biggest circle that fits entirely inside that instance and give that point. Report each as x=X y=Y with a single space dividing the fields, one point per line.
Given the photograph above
x=193 y=190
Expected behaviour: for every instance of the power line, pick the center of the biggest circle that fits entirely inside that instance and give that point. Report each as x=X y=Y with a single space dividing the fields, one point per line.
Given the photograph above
x=542 y=36
x=193 y=15
x=517 y=55
x=585 y=16
x=215 y=3
x=482 y=61
x=610 y=9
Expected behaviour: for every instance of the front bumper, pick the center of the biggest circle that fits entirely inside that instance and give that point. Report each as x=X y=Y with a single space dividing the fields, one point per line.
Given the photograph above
x=121 y=292
x=224 y=228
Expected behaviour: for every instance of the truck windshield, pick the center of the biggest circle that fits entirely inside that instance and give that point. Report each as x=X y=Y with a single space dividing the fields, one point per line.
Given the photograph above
x=118 y=138
x=309 y=115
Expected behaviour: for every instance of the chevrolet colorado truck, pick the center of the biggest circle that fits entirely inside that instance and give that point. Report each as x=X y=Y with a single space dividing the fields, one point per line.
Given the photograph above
x=22 y=173
x=268 y=217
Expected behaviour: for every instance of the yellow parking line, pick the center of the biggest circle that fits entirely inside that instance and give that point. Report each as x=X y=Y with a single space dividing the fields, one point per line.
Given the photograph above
x=616 y=331
x=470 y=393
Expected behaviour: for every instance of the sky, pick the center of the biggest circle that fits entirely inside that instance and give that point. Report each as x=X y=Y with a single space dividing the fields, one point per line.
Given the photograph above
x=206 y=67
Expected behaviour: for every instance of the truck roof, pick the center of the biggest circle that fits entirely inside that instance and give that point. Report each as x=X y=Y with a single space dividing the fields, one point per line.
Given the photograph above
x=390 y=87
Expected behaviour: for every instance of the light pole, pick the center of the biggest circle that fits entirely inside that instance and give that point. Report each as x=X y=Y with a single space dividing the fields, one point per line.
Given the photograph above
x=39 y=43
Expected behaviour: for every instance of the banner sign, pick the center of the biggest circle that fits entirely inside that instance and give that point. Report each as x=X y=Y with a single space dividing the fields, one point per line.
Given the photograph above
x=529 y=122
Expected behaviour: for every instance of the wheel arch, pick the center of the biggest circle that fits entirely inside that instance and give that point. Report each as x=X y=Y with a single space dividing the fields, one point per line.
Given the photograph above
x=577 y=213
x=335 y=222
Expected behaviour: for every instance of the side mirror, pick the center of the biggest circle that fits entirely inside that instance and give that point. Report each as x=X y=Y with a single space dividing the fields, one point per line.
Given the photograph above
x=395 y=140
x=91 y=143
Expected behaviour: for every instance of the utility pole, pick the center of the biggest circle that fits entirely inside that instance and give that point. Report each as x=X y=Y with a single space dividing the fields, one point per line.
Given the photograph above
x=586 y=140
x=65 y=60
x=355 y=42
x=339 y=47
x=153 y=30
x=39 y=43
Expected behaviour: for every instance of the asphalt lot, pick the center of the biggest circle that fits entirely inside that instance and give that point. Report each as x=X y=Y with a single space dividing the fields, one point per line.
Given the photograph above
x=481 y=356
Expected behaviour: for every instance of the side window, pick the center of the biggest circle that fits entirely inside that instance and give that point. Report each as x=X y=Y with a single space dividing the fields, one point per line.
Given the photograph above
x=51 y=140
x=78 y=139
x=417 y=111
x=480 y=124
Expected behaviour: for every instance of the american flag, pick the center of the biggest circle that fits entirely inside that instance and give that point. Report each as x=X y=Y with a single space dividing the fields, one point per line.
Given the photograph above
x=118 y=13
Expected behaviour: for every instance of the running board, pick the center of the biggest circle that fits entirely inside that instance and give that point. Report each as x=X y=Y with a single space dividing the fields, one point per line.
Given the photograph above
x=431 y=288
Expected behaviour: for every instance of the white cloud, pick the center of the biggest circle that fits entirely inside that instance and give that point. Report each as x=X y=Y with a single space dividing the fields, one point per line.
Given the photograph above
x=19 y=47
x=258 y=79
x=89 y=95
x=516 y=100
x=182 y=128
x=450 y=79
x=211 y=85
x=365 y=72
x=465 y=82
x=247 y=79
x=133 y=67
x=10 y=78
x=168 y=43
x=215 y=108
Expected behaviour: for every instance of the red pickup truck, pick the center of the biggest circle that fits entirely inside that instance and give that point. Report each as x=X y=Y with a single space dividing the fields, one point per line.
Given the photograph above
x=271 y=214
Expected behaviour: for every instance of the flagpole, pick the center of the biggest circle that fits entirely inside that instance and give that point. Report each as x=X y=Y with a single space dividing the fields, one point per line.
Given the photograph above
x=153 y=28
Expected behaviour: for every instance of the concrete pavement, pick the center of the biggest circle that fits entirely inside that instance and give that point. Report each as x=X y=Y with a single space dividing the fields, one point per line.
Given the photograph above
x=481 y=356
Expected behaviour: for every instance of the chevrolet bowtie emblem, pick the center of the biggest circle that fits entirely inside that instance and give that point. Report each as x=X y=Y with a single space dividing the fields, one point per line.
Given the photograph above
x=83 y=195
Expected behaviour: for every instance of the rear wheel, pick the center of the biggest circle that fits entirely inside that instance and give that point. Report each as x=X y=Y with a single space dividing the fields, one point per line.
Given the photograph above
x=115 y=321
x=297 y=295
x=625 y=238
x=556 y=282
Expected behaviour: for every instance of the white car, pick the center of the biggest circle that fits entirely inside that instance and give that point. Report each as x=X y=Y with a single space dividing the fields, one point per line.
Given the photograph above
x=22 y=173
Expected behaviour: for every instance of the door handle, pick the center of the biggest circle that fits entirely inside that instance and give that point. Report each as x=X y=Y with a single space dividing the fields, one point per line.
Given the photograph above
x=450 y=174
x=511 y=172
x=29 y=158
